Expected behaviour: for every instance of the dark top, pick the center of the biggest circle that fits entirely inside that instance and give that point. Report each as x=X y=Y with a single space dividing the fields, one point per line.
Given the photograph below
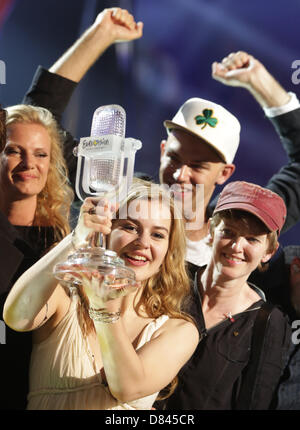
x=20 y=248
x=278 y=279
x=212 y=378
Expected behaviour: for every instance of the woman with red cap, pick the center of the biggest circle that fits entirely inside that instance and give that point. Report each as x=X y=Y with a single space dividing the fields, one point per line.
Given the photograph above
x=239 y=361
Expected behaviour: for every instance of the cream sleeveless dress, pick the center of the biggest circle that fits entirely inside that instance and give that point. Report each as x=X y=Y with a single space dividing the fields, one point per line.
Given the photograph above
x=63 y=373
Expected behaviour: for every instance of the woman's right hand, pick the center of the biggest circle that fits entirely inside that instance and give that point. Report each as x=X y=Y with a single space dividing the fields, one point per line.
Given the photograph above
x=102 y=289
x=95 y=217
x=117 y=25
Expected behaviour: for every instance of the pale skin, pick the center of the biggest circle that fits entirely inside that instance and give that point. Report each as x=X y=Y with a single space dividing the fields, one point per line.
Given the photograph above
x=240 y=69
x=180 y=164
x=24 y=166
x=130 y=374
x=111 y=26
x=237 y=251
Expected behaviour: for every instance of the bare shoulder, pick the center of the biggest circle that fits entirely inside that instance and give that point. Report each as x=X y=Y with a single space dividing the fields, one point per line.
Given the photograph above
x=179 y=327
x=180 y=323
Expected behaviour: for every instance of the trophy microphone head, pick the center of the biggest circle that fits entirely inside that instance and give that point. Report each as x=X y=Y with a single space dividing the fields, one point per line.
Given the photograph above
x=109 y=120
x=106 y=167
x=106 y=159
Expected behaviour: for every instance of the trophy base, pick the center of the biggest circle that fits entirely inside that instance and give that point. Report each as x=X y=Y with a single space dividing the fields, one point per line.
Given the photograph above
x=94 y=263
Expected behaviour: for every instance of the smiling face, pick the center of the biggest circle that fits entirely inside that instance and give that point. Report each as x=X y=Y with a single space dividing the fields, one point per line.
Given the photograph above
x=24 y=162
x=239 y=247
x=142 y=239
x=187 y=162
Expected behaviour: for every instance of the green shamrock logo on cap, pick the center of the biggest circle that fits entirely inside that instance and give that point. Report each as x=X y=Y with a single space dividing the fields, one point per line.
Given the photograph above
x=206 y=118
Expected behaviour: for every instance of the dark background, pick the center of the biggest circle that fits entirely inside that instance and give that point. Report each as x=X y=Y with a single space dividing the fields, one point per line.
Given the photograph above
x=152 y=77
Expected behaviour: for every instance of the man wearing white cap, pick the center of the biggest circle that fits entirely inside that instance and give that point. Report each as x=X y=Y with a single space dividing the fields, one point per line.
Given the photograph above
x=203 y=138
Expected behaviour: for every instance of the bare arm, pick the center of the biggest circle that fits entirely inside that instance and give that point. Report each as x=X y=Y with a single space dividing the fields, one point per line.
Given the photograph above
x=25 y=306
x=111 y=26
x=243 y=70
x=134 y=374
x=37 y=293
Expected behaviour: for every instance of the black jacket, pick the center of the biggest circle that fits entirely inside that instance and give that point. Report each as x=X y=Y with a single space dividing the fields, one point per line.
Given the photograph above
x=212 y=378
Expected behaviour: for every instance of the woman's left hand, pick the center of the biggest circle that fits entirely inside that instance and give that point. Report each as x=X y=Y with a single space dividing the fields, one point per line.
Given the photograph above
x=100 y=288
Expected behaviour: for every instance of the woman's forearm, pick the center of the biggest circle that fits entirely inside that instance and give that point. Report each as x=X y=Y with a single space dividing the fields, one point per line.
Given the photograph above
x=32 y=290
x=133 y=374
x=123 y=368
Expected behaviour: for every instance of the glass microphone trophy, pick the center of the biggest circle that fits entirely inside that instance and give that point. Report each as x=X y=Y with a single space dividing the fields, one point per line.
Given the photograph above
x=104 y=169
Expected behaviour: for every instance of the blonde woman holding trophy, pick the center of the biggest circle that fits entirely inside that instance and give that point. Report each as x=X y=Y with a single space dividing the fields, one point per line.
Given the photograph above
x=118 y=349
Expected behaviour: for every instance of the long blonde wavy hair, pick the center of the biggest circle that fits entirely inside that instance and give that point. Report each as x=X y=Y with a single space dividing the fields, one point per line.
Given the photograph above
x=54 y=201
x=167 y=292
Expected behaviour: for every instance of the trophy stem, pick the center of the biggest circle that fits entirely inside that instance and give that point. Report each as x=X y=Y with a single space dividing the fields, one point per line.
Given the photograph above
x=102 y=240
x=97 y=240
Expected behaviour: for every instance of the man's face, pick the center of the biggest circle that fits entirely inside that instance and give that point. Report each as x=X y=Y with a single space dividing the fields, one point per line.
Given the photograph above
x=187 y=162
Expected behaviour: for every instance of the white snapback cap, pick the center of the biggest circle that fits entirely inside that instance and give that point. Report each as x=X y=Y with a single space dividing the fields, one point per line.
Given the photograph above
x=210 y=122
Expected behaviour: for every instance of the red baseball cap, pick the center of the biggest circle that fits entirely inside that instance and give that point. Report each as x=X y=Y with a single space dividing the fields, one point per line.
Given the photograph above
x=266 y=205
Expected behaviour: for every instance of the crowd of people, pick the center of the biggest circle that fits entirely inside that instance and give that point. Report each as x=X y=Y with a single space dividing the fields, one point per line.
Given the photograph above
x=207 y=324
